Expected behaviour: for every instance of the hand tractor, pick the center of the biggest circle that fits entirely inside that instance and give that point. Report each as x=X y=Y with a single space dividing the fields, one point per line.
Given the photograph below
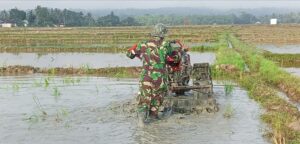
x=191 y=87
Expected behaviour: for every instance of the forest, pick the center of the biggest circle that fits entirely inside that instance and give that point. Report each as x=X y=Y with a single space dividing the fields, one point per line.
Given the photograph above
x=52 y=17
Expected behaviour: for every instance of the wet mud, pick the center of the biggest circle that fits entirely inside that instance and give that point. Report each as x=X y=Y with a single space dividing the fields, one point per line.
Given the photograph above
x=110 y=72
x=102 y=110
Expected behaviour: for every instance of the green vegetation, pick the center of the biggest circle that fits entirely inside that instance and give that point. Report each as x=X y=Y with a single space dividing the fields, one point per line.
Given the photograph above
x=37 y=83
x=60 y=114
x=46 y=82
x=228 y=88
x=86 y=68
x=229 y=111
x=210 y=47
x=70 y=80
x=56 y=93
x=268 y=70
x=261 y=79
x=43 y=17
x=15 y=87
x=284 y=60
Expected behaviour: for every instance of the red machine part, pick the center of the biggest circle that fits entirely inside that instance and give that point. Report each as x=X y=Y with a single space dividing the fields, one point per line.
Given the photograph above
x=174 y=60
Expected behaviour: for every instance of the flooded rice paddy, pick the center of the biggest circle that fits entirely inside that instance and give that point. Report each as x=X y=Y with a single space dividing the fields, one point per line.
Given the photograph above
x=77 y=60
x=294 y=71
x=284 y=49
x=289 y=64
x=40 y=109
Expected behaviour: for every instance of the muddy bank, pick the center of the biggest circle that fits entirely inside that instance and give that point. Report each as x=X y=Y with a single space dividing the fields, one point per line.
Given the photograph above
x=79 y=60
x=62 y=49
x=284 y=60
x=110 y=72
x=84 y=113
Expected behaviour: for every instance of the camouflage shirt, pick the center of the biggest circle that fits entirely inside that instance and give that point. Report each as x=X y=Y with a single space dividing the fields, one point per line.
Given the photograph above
x=153 y=55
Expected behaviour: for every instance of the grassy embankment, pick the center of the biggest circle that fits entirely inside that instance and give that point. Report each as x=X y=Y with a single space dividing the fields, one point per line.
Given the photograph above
x=260 y=82
x=284 y=60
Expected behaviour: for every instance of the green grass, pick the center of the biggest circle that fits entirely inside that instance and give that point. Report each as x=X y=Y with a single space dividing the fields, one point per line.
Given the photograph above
x=228 y=87
x=228 y=56
x=229 y=111
x=204 y=48
x=268 y=70
x=260 y=81
x=15 y=87
x=284 y=60
x=280 y=56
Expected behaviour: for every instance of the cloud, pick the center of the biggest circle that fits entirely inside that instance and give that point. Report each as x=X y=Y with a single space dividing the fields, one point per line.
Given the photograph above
x=122 y=4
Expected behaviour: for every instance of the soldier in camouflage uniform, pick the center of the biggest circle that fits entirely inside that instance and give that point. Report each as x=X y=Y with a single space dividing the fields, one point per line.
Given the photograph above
x=153 y=79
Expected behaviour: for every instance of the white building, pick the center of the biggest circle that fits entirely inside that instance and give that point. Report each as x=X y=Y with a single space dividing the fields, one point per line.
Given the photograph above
x=273 y=21
x=7 y=25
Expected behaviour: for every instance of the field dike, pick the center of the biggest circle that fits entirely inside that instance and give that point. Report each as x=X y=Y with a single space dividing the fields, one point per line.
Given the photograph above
x=284 y=60
x=117 y=72
x=260 y=76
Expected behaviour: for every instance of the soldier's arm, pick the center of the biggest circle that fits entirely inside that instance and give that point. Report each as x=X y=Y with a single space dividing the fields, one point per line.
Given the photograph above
x=175 y=55
x=182 y=47
x=134 y=51
x=130 y=52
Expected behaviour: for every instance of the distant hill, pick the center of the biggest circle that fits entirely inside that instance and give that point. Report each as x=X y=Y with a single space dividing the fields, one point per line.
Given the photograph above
x=183 y=11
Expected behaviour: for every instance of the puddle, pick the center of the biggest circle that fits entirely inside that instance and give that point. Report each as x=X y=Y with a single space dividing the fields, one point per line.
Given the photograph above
x=77 y=60
x=285 y=49
x=82 y=114
x=294 y=71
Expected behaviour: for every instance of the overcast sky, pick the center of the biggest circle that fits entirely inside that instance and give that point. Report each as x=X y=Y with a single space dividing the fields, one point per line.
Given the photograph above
x=123 y=4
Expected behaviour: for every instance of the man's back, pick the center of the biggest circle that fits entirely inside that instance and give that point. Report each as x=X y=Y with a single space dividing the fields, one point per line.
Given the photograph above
x=153 y=55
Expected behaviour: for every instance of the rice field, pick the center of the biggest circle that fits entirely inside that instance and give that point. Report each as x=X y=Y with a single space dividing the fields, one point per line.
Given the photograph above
x=94 y=39
x=79 y=79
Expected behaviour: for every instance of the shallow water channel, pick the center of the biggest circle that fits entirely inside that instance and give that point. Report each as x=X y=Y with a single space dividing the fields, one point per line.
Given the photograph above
x=294 y=71
x=283 y=49
x=77 y=60
x=91 y=110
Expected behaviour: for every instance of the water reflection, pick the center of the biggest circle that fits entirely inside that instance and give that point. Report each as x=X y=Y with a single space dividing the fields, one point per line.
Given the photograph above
x=284 y=49
x=77 y=60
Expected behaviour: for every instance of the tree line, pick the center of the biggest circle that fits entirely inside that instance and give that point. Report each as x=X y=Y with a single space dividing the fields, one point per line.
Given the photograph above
x=43 y=17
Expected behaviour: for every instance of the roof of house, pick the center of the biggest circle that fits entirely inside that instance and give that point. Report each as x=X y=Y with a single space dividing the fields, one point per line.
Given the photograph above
x=7 y=21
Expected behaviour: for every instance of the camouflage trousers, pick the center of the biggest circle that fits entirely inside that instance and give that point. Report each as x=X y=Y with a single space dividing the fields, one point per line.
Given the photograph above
x=151 y=99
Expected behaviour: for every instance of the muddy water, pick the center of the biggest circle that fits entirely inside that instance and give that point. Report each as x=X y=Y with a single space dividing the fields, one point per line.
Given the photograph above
x=285 y=49
x=77 y=60
x=95 y=110
x=294 y=71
